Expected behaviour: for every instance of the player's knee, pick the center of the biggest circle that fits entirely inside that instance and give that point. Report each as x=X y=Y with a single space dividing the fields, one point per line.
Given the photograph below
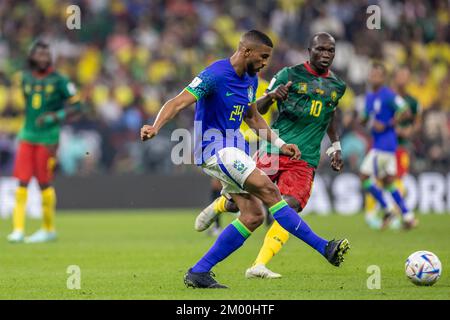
x=389 y=180
x=270 y=194
x=230 y=206
x=23 y=184
x=253 y=220
x=293 y=203
x=363 y=177
x=44 y=186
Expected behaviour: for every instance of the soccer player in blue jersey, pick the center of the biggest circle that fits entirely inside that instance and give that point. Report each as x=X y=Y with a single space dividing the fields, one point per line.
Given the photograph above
x=225 y=96
x=383 y=109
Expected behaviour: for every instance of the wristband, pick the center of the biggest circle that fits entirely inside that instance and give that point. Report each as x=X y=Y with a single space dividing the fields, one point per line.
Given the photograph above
x=335 y=146
x=330 y=151
x=270 y=97
x=279 y=143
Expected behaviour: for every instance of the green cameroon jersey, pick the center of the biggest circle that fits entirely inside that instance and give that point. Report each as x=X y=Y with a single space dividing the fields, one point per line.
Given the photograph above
x=42 y=95
x=305 y=115
x=413 y=106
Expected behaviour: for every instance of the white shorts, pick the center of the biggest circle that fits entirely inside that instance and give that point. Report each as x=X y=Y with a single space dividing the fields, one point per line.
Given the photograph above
x=231 y=166
x=379 y=164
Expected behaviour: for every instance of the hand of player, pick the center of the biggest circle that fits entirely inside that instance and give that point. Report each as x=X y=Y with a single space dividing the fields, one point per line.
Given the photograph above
x=281 y=92
x=336 y=161
x=148 y=132
x=291 y=150
x=378 y=126
x=46 y=119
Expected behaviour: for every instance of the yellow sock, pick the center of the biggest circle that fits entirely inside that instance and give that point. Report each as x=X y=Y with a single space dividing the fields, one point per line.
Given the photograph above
x=275 y=238
x=400 y=185
x=48 y=209
x=370 y=205
x=219 y=205
x=19 y=210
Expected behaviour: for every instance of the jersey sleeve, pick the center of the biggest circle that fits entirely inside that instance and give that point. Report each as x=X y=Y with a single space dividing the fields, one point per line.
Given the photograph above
x=255 y=90
x=366 y=112
x=341 y=92
x=69 y=91
x=416 y=108
x=280 y=78
x=398 y=103
x=203 y=85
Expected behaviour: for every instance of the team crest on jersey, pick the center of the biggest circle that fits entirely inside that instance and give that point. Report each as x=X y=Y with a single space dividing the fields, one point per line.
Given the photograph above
x=38 y=88
x=302 y=87
x=49 y=88
x=250 y=93
x=333 y=96
x=319 y=91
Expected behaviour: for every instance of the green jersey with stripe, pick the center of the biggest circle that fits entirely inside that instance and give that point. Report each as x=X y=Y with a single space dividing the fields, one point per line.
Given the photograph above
x=42 y=95
x=305 y=115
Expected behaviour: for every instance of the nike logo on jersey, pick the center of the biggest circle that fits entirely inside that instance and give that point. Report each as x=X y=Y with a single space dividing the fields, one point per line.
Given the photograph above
x=229 y=94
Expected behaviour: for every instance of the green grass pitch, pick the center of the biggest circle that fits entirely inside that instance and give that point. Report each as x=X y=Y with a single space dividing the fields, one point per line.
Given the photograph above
x=144 y=254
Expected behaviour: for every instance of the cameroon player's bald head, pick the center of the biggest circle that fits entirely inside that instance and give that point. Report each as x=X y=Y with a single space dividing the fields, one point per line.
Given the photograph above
x=321 y=51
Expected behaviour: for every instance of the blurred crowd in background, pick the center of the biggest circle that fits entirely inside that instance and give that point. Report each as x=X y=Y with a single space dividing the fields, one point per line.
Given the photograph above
x=132 y=55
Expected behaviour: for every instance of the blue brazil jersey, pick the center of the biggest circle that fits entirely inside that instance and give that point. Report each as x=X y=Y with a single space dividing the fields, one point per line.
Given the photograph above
x=223 y=98
x=382 y=106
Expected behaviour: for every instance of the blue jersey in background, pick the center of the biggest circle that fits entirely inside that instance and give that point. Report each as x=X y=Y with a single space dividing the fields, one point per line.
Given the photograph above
x=382 y=106
x=223 y=98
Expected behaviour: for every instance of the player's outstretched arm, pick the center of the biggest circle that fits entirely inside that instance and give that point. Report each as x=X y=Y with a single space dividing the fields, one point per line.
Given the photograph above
x=169 y=110
x=280 y=93
x=255 y=121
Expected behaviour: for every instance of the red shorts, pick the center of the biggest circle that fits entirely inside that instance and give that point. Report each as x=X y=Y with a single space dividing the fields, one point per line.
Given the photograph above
x=402 y=161
x=35 y=160
x=293 y=177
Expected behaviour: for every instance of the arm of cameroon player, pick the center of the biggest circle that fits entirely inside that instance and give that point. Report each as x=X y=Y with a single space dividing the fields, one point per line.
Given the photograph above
x=255 y=121
x=73 y=109
x=74 y=106
x=280 y=93
x=336 y=155
x=332 y=130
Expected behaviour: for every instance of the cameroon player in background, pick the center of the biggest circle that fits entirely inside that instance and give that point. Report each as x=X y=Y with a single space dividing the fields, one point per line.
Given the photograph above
x=45 y=92
x=408 y=128
x=307 y=96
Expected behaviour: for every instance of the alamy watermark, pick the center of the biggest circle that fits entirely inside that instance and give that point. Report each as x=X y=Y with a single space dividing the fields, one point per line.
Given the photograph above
x=374 y=20
x=374 y=280
x=205 y=144
x=73 y=21
x=74 y=280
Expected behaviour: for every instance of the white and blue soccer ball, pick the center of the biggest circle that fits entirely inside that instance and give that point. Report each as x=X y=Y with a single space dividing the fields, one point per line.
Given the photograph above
x=423 y=268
